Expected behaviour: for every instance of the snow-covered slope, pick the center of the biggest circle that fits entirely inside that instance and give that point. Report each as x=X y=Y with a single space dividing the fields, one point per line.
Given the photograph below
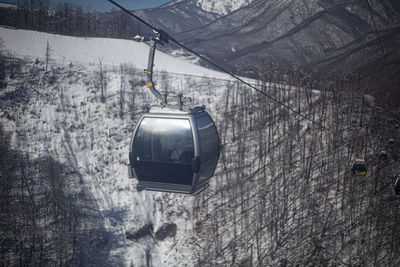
x=81 y=50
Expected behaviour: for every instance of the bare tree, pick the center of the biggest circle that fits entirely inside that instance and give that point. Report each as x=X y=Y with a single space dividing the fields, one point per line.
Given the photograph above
x=3 y=68
x=47 y=54
x=102 y=81
x=122 y=91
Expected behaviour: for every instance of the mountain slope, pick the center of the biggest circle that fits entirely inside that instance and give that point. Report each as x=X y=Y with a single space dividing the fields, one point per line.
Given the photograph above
x=299 y=34
x=309 y=28
x=177 y=16
x=222 y=7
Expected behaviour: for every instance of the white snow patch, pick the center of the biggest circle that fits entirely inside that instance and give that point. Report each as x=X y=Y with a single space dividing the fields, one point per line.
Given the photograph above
x=222 y=7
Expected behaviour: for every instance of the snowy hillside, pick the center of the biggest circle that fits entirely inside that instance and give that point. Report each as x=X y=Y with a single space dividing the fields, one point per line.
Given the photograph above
x=282 y=194
x=81 y=50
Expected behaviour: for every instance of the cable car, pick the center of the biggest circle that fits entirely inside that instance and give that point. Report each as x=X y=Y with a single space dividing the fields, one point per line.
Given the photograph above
x=174 y=148
x=359 y=167
x=174 y=151
x=397 y=186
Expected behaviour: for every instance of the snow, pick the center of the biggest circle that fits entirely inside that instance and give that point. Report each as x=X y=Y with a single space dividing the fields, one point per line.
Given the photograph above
x=222 y=7
x=167 y=110
x=81 y=50
x=7 y=5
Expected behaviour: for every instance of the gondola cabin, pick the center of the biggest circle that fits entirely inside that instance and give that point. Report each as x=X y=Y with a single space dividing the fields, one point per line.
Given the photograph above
x=359 y=167
x=174 y=151
x=383 y=155
x=397 y=186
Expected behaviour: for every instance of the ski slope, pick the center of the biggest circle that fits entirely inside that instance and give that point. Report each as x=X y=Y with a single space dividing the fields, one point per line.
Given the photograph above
x=112 y=52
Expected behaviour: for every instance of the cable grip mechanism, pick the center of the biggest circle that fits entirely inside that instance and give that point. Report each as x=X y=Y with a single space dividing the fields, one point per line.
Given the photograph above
x=162 y=37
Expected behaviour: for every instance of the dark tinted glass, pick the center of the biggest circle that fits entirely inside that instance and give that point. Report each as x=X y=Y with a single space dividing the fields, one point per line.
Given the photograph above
x=163 y=150
x=209 y=144
x=164 y=140
x=397 y=185
x=360 y=167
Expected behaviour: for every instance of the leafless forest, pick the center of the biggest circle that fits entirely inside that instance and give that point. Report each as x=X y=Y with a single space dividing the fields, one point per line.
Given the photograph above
x=67 y=19
x=284 y=193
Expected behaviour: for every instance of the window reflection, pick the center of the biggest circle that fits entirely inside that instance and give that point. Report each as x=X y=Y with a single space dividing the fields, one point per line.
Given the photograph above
x=164 y=140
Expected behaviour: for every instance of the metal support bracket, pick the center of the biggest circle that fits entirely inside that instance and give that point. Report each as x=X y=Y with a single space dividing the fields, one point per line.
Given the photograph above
x=149 y=73
x=162 y=38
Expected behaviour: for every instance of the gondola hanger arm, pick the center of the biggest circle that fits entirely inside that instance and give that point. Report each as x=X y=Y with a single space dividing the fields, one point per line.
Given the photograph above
x=162 y=38
x=149 y=73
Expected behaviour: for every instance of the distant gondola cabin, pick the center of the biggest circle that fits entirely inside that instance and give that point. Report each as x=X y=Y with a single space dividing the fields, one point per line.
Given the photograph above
x=383 y=155
x=359 y=167
x=397 y=186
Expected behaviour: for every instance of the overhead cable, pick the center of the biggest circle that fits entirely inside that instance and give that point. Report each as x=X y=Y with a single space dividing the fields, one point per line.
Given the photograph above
x=164 y=35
